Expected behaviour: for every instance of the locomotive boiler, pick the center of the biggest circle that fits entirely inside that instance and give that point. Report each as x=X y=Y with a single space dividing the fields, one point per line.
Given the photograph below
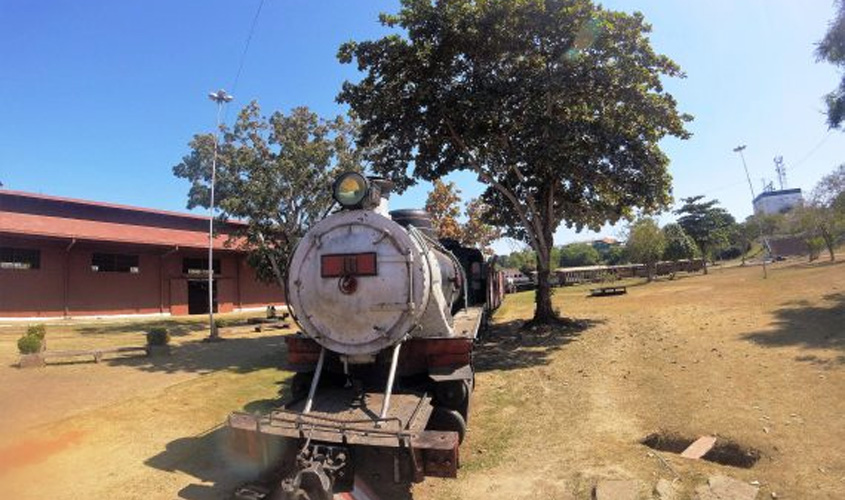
x=388 y=316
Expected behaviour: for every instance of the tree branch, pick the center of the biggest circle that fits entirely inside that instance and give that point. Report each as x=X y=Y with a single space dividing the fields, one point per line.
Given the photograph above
x=530 y=227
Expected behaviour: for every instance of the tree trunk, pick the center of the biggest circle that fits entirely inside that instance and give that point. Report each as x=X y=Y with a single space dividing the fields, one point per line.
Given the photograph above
x=544 y=314
x=830 y=244
x=649 y=272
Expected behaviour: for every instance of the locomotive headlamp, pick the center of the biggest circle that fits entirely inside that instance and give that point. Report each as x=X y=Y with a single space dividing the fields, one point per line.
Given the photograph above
x=350 y=189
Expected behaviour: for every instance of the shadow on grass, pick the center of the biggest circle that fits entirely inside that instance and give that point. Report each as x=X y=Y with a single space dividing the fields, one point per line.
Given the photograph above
x=812 y=327
x=512 y=345
x=241 y=355
x=176 y=328
x=209 y=458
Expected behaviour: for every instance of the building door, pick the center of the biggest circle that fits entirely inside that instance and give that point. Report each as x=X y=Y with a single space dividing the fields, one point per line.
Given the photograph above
x=198 y=296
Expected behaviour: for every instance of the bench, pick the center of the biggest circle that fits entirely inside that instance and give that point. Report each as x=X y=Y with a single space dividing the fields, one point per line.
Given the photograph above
x=608 y=290
x=96 y=353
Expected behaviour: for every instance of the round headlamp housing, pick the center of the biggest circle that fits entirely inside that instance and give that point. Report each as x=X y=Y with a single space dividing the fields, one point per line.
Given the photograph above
x=350 y=189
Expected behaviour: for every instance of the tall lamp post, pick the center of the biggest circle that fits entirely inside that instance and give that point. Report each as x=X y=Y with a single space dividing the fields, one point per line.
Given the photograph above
x=220 y=97
x=740 y=149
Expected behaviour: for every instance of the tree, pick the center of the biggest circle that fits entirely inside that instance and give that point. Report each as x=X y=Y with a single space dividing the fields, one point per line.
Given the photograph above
x=443 y=204
x=615 y=255
x=825 y=214
x=678 y=244
x=709 y=226
x=578 y=254
x=832 y=50
x=476 y=232
x=525 y=261
x=557 y=105
x=275 y=174
x=744 y=235
x=646 y=244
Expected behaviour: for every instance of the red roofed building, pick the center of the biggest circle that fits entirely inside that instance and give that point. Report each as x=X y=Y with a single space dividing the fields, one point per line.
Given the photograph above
x=61 y=257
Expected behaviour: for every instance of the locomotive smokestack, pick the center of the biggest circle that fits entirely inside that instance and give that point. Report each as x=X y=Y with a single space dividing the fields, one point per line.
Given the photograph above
x=384 y=188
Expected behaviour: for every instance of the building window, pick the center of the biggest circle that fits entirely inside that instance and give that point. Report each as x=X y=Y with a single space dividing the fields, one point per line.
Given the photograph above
x=194 y=266
x=114 y=263
x=19 y=258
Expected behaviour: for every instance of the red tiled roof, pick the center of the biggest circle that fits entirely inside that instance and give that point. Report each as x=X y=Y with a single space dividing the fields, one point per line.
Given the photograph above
x=38 y=215
x=101 y=204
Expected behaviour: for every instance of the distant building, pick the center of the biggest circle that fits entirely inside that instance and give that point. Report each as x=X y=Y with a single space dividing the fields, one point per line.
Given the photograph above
x=777 y=202
x=515 y=275
x=62 y=257
x=604 y=244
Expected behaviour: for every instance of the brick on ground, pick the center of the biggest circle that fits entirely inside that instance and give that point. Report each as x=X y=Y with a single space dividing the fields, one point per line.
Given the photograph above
x=699 y=448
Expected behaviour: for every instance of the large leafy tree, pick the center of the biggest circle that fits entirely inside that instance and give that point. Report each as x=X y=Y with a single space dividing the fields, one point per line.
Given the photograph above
x=832 y=50
x=275 y=174
x=708 y=225
x=646 y=244
x=557 y=105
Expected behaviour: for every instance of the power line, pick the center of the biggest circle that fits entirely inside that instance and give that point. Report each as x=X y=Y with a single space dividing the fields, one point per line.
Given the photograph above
x=244 y=53
x=812 y=151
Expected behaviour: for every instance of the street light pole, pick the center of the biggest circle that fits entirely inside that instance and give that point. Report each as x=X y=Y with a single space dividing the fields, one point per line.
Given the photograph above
x=220 y=97
x=764 y=243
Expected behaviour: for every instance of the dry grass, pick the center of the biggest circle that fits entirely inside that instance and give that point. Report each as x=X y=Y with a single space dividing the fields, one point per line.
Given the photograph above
x=758 y=362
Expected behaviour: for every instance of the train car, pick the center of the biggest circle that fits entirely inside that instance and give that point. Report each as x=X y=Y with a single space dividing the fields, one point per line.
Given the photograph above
x=388 y=317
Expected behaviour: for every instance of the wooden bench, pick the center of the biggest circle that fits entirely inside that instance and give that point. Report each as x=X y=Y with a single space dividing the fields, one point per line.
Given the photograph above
x=608 y=290
x=96 y=353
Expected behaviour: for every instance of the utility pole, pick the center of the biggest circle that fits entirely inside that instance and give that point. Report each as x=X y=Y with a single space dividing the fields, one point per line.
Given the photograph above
x=765 y=244
x=220 y=97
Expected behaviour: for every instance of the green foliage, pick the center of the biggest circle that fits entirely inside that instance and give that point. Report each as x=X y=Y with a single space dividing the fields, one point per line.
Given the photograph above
x=824 y=215
x=558 y=106
x=274 y=173
x=39 y=330
x=525 y=261
x=679 y=245
x=29 y=344
x=615 y=255
x=578 y=254
x=645 y=244
x=814 y=247
x=158 y=336
x=709 y=226
x=832 y=50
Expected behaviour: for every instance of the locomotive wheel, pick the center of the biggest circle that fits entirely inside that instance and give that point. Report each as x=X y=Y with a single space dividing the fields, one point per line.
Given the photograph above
x=452 y=394
x=300 y=385
x=445 y=419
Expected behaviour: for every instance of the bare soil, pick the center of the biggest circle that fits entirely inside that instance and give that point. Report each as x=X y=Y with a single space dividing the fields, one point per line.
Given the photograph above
x=759 y=363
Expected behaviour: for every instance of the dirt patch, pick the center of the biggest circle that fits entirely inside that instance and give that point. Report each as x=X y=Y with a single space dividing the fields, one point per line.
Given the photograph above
x=724 y=452
x=34 y=451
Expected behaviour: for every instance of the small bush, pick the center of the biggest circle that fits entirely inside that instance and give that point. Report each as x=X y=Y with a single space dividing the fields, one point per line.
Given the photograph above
x=39 y=331
x=158 y=336
x=29 y=344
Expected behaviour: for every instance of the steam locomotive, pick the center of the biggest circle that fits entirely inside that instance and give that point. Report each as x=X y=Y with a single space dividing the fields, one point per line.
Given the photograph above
x=388 y=316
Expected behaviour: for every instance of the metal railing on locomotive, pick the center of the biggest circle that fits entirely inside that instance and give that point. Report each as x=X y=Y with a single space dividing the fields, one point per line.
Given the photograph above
x=425 y=276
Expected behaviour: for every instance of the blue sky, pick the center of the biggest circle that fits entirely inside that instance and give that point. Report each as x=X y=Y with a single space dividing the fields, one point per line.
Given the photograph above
x=99 y=99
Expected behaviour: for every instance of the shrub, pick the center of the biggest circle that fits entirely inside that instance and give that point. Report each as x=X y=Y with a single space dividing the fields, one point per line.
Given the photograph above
x=29 y=344
x=158 y=336
x=39 y=331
